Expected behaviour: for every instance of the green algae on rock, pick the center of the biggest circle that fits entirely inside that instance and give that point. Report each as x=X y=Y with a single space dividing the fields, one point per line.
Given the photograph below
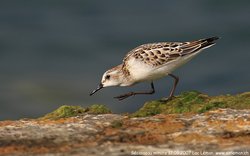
x=194 y=102
x=66 y=111
x=98 y=109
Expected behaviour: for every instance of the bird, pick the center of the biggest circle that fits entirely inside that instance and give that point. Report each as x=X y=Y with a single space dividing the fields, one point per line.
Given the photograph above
x=152 y=61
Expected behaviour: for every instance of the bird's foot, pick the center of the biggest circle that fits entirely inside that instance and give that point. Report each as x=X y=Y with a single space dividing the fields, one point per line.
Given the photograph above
x=124 y=96
x=165 y=100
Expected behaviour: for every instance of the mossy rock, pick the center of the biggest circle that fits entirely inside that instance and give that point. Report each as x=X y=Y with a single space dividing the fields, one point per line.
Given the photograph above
x=66 y=111
x=194 y=102
x=98 y=109
x=117 y=124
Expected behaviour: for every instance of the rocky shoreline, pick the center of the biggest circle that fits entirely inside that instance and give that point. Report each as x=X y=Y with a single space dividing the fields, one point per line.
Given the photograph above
x=216 y=130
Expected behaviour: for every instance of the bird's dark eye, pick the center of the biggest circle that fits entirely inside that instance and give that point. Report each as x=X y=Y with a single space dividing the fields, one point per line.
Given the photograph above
x=107 y=77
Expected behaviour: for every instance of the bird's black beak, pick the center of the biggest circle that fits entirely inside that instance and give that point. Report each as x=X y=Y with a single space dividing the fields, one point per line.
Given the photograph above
x=100 y=86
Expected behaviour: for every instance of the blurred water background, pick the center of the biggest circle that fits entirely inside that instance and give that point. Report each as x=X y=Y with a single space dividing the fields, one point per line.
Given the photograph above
x=55 y=52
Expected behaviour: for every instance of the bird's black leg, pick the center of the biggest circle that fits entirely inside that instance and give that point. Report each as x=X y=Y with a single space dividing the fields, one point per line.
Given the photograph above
x=124 y=96
x=176 y=80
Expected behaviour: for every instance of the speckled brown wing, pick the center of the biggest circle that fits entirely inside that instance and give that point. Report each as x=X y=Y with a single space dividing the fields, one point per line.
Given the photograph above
x=157 y=54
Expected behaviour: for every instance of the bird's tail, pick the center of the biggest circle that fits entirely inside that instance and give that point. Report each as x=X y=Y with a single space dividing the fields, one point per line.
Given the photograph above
x=208 y=42
x=195 y=46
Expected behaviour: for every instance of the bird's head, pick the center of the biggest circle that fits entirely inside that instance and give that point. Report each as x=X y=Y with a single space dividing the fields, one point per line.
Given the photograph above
x=112 y=77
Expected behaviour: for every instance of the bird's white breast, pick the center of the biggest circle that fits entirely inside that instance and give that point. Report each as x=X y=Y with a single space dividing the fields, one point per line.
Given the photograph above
x=141 y=71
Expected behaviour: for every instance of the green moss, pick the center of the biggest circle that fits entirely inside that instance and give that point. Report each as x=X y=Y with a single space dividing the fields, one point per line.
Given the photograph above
x=64 y=112
x=70 y=111
x=194 y=102
x=210 y=106
x=98 y=109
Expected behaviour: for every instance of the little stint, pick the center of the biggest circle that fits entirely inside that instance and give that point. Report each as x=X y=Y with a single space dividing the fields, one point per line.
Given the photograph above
x=152 y=61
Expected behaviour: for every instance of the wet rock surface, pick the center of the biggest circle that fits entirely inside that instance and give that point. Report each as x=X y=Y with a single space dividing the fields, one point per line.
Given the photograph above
x=220 y=130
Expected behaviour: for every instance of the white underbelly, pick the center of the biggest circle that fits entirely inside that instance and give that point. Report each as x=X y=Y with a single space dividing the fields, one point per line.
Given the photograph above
x=143 y=72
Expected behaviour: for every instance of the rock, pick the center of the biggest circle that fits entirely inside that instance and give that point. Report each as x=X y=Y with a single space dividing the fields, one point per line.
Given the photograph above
x=191 y=133
x=194 y=102
x=69 y=111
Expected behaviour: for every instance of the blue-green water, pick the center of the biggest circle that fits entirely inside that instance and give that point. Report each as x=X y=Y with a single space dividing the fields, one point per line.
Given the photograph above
x=55 y=52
